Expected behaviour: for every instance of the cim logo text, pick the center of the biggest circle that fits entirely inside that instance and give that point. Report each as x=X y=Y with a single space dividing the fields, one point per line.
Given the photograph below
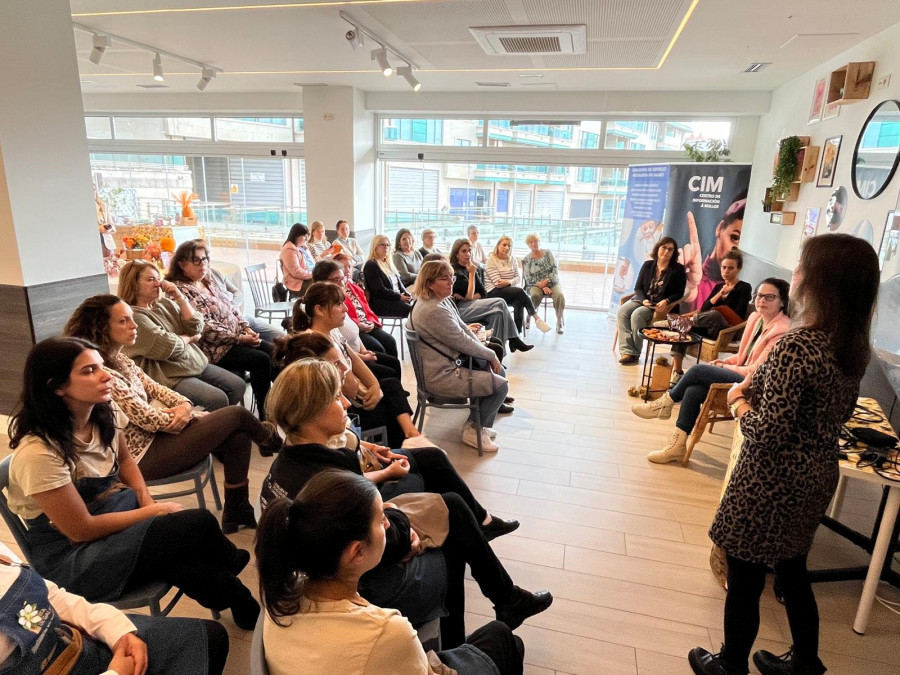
x=706 y=183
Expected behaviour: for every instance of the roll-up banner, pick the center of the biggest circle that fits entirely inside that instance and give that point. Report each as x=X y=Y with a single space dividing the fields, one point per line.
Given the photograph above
x=699 y=205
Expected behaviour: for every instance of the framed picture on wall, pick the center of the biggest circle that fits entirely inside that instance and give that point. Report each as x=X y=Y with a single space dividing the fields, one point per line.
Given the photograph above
x=818 y=102
x=828 y=165
x=775 y=218
x=831 y=110
x=810 y=223
x=891 y=238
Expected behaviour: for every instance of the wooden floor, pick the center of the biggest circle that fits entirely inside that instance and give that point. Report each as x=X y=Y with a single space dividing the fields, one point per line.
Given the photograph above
x=621 y=543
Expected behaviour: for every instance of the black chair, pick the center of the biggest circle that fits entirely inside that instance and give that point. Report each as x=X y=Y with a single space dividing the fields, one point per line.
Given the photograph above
x=427 y=399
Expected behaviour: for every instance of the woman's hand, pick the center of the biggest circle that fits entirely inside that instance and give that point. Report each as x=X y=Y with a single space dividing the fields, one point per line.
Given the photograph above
x=458 y=297
x=405 y=297
x=133 y=654
x=181 y=416
x=547 y=290
x=248 y=340
x=371 y=398
x=366 y=355
x=397 y=469
x=415 y=546
x=717 y=362
x=543 y=283
x=366 y=327
x=165 y=508
x=470 y=268
x=737 y=391
x=661 y=307
x=497 y=367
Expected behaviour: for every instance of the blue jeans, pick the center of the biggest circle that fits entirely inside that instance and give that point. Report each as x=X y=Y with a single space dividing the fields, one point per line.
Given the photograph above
x=692 y=389
x=632 y=317
x=490 y=404
x=214 y=388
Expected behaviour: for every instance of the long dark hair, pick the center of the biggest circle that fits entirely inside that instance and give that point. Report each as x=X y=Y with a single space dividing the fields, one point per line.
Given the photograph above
x=454 y=251
x=324 y=269
x=836 y=293
x=90 y=321
x=319 y=294
x=304 y=539
x=297 y=230
x=290 y=348
x=42 y=412
x=402 y=231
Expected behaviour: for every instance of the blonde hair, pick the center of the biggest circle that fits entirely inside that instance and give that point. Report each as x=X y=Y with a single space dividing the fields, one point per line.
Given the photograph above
x=315 y=226
x=496 y=251
x=387 y=266
x=129 y=278
x=302 y=391
x=430 y=271
x=532 y=236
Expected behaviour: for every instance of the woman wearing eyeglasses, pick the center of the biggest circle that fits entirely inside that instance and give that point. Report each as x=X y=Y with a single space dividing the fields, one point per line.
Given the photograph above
x=227 y=339
x=765 y=326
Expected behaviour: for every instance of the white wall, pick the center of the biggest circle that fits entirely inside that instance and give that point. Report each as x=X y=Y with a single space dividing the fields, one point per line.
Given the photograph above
x=789 y=115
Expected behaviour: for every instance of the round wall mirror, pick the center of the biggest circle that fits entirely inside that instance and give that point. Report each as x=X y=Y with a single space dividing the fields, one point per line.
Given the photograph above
x=877 y=151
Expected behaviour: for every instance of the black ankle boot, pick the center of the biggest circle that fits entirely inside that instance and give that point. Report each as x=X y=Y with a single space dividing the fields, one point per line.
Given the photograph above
x=238 y=510
x=520 y=605
x=785 y=664
x=245 y=611
x=516 y=345
x=271 y=445
x=704 y=663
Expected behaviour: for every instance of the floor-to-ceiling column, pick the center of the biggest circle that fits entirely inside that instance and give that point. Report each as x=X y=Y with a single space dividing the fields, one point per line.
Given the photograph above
x=50 y=255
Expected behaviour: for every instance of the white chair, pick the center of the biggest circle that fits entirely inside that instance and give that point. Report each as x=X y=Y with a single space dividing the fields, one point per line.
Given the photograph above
x=257 y=648
x=259 y=288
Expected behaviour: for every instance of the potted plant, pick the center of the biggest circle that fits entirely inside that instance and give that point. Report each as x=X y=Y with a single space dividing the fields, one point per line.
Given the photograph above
x=786 y=168
x=712 y=150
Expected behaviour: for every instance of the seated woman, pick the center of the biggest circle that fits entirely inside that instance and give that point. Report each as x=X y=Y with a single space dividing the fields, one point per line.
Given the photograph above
x=318 y=244
x=387 y=294
x=296 y=261
x=428 y=247
x=371 y=332
x=444 y=335
x=541 y=277
x=227 y=339
x=312 y=552
x=93 y=526
x=170 y=438
x=469 y=294
x=478 y=255
x=38 y=638
x=727 y=305
x=168 y=330
x=501 y=273
x=406 y=258
x=308 y=407
x=422 y=467
x=377 y=401
x=659 y=287
x=766 y=325
x=387 y=365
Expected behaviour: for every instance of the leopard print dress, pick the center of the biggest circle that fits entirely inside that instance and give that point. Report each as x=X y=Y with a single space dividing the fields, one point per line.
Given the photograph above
x=787 y=471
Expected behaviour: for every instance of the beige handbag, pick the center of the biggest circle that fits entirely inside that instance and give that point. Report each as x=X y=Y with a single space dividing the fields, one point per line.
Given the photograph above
x=428 y=516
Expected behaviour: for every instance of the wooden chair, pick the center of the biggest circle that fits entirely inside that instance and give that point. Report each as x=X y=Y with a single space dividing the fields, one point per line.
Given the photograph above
x=727 y=341
x=715 y=409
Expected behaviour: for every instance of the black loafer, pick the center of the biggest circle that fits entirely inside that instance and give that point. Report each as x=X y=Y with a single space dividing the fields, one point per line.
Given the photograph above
x=509 y=400
x=498 y=527
x=525 y=605
x=505 y=409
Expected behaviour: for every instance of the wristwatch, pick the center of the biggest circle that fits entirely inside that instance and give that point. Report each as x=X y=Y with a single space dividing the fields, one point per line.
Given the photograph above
x=735 y=404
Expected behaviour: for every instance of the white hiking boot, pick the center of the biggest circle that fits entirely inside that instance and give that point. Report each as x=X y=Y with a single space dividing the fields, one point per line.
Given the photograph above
x=674 y=450
x=661 y=408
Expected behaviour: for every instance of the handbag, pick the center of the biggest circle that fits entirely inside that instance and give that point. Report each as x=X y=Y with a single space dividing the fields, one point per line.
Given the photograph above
x=464 y=361
x=279 y=290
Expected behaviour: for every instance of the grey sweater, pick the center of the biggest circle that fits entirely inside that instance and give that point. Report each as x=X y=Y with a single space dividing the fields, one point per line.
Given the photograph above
x=159 y=350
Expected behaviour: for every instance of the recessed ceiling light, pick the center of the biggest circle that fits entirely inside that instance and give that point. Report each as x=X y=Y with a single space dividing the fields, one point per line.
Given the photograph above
x=530 y=75
x=310 y=84
x=153 y=86
x=493 y=84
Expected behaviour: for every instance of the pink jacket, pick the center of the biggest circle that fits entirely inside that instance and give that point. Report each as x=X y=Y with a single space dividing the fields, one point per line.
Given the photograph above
x=293 y=267
x=744 y=363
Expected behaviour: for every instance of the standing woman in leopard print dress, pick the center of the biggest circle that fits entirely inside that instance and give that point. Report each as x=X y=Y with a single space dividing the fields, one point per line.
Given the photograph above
x=791 y=411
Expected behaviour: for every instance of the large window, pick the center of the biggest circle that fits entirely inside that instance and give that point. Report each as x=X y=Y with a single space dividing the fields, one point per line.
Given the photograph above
x=662 y=135
x=226 y=129
x=429 y=131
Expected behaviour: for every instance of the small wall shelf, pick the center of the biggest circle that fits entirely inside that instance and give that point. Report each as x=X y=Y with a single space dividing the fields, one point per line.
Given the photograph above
x=851 y=83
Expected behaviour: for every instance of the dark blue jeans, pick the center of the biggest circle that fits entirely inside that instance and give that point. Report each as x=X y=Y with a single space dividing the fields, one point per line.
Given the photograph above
x=692 y=389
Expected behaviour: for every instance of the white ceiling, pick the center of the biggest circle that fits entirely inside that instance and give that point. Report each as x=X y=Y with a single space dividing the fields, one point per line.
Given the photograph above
x=271 y=49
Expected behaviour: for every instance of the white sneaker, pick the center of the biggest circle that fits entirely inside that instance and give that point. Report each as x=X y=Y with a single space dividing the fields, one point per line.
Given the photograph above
x=661 y=408
x=674 y=450
x=542 y=325
x=490 y=432
x=470 y=438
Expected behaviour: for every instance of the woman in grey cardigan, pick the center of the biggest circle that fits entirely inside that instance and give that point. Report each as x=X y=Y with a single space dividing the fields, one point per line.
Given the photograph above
x=443 y=336
x=168 y=329
x=407 y=259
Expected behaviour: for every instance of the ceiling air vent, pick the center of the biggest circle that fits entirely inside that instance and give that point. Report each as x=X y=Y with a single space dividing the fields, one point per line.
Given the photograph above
x=756 y=67
x=153 y=86
x=493 y=84
x=531 y=40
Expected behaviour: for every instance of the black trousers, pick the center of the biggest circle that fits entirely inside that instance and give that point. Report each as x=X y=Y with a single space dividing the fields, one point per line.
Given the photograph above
x=379 y=340
x=745 y=586
x=392 y=404
x=187 y=549
x=501 y=646
x=385 y=366
x=258 y=362
x=440 y=476
x=516 y=298
x=465 y=544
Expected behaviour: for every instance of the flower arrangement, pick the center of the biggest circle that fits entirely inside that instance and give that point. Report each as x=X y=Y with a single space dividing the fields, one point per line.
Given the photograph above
x=185 y=198
x=136 y=242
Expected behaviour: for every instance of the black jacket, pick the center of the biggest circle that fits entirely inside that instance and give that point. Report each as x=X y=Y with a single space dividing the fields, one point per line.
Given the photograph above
x=378 y=284
x=461 y=286
x=738 y=299
x=674 y=282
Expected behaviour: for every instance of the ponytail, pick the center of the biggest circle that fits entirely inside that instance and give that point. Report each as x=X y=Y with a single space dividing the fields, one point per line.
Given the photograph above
x=280 y=587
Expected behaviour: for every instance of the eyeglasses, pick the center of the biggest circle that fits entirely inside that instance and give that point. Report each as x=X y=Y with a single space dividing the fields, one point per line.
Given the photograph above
x=200 y=261
x=768 y=297
x=384 y=243
x=452 y=280
x=336 y=280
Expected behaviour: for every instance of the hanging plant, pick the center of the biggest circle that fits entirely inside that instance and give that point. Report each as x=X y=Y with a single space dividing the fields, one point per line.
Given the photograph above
x=713 y=150
x=786 y=169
